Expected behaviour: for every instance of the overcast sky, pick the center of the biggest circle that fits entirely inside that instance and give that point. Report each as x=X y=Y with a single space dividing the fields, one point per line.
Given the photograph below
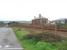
x=27 y=9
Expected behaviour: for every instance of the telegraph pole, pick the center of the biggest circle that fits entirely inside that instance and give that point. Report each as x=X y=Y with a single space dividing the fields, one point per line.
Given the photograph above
x=40 y=20
x=41 y=23
x=55 y=27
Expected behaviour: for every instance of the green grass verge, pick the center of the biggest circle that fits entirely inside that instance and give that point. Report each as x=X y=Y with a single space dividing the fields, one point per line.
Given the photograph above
x=32 y=44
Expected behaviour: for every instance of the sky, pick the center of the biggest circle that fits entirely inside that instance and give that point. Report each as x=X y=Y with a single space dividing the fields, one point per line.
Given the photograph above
x=25 y=10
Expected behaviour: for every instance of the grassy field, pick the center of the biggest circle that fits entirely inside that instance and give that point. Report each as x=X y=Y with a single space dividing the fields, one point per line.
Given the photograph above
x=42 y=41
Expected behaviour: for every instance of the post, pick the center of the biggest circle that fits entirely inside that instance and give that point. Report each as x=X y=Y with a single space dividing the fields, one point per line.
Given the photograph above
x=55 y=27
x=41 y=22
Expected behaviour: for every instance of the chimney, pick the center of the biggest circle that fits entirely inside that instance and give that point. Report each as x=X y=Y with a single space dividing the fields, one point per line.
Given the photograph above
x=40 y=16
x=34 y=17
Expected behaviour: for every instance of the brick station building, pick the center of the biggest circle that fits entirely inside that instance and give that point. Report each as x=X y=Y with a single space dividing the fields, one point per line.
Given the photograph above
x=41 y=21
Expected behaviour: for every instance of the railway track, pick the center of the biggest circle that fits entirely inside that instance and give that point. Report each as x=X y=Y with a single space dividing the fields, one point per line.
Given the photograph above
x=47 y=28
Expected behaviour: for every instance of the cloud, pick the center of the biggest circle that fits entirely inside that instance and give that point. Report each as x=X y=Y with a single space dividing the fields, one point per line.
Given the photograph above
x=27 y=9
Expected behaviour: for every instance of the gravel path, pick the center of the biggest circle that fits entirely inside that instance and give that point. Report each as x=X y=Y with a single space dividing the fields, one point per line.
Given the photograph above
x=8 y=40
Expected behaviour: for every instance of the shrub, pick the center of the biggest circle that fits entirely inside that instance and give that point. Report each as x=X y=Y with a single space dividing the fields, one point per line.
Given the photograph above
x=50 y=37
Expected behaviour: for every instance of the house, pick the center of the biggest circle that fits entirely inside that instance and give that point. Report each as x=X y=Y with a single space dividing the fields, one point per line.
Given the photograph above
x=40 y=21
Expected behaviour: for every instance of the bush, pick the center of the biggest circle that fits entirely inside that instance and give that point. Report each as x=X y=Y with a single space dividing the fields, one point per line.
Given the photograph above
x=49 y=37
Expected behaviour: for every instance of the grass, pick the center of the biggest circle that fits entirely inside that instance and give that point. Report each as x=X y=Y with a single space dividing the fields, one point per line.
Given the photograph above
x=35 y=43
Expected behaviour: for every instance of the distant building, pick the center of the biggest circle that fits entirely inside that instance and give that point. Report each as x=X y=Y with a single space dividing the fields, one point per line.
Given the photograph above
x=39 y=21
x=60 y=21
